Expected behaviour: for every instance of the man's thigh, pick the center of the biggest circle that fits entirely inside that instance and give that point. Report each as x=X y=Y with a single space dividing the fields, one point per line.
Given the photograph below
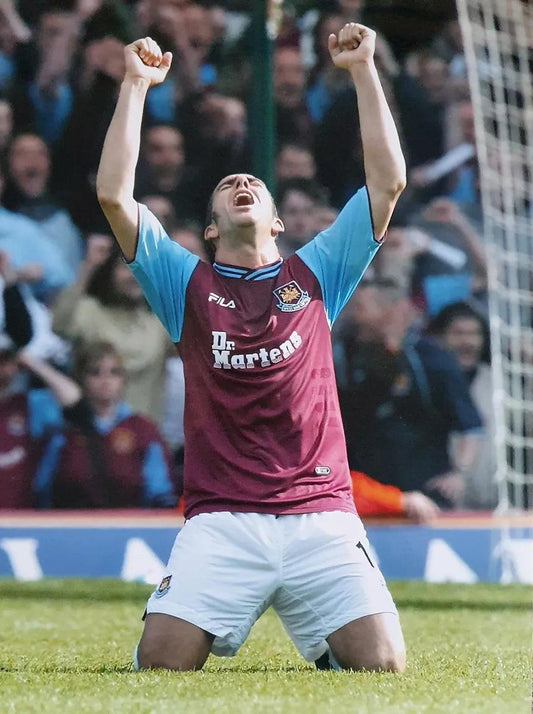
x=220 y=576
x=329 y=580
x=171 y=643
x=373 y=643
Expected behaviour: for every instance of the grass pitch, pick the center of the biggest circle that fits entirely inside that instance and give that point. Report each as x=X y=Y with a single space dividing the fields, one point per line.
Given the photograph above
x=65 y=647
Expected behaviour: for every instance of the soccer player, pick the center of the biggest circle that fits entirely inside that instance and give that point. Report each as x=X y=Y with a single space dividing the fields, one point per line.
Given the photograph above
x=270 y=518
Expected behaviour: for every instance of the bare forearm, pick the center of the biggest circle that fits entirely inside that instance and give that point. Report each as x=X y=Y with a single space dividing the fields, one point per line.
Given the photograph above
x=383 y=157
x=65 y=390
x=465 y=450
x=116 y=173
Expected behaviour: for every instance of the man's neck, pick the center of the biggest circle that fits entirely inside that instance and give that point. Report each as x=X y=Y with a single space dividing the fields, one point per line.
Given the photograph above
x=247 y=256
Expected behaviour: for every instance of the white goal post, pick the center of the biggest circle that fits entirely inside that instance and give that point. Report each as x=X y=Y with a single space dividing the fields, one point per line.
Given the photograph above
x=498 y=41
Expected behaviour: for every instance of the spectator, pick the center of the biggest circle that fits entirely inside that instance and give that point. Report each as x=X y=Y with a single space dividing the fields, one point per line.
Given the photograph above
x=106 y=304
x=295 y=161
x=189 y=235
x=293 y=121
x=324 y=83
x=27 y=192
x=44 y=98
x=401 y=401
x=24 y=420
x=6 y=125
x=462 y=331
x=297 y=202
x=13 y=31
x=33 y=255
x=76 y=158
x=454 y=266
x=106 y=455
x=162 y=168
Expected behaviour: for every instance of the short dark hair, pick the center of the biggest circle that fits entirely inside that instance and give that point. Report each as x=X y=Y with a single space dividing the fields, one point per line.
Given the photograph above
x=101 y=285
x=460 y=310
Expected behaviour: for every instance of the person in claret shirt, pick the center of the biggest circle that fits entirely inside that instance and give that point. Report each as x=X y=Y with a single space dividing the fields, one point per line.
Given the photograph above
x=270 y=518
x=105 y=456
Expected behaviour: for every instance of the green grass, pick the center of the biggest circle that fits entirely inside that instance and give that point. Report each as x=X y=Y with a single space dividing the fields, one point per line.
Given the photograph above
x=65 y=646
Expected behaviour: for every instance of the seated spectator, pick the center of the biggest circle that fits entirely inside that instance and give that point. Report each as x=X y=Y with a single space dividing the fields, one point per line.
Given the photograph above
x=32 y=253
x=106 y=304
x=27 y=192
x=295 y=161
x=401 y=401
x=106 y=456
x=297 y=200
x=462 y=331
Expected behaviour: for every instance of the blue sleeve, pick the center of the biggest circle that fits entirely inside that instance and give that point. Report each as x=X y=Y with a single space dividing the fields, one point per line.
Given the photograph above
x=339 y=256
x=44 y=413
x=156 y=481
x=46 y=470
x=163 y=269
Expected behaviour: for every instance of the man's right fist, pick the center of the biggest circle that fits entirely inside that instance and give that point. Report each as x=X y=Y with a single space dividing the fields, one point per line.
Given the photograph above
x=144 y=60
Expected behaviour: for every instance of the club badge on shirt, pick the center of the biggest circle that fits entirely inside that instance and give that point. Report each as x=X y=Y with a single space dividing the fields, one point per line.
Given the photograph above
x=122 y=441
x=291 y=297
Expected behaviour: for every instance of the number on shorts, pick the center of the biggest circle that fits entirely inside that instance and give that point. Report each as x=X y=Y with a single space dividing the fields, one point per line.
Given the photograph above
x=362 y=547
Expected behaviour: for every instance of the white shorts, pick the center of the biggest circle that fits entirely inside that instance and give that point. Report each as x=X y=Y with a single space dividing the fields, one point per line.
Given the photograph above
x=226 y=569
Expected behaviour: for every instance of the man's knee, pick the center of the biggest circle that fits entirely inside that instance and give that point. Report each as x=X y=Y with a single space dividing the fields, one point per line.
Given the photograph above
x=170 y=643
x=382 y=659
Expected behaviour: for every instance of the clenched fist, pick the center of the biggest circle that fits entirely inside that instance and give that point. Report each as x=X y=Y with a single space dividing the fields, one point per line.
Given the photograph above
x=144 y=60
x=354 y=45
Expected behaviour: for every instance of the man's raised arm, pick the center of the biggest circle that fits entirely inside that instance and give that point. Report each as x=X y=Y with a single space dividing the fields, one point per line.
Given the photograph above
x=145 y=66
x=353 y=50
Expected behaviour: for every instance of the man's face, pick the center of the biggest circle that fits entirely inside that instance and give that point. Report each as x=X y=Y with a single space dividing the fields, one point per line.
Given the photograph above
x=242 y=201
x=29 y=165
x=288 y=77
x=164 y=151
x=294 y=162
x=464 y=339
x=297 y=213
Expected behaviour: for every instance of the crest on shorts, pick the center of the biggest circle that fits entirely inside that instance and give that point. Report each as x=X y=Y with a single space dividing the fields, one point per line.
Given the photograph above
x=291 y=297
x=164 y=586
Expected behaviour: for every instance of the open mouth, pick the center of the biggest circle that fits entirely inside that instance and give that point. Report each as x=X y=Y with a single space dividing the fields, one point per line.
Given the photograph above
x=243 y=198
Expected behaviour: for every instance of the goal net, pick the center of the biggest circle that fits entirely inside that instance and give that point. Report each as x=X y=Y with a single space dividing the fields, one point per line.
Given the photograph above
x=498 y=41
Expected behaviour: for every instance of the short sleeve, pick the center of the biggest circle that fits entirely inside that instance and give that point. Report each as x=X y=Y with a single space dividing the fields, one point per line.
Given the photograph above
x=163 y=269
x=339 y=256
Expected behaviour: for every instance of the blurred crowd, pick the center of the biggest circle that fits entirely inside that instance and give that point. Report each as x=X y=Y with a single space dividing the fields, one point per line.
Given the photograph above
x=91 y=390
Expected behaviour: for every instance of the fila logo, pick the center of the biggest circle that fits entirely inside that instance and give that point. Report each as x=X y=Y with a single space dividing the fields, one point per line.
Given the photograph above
x=220 y=301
